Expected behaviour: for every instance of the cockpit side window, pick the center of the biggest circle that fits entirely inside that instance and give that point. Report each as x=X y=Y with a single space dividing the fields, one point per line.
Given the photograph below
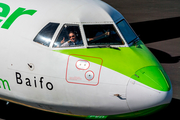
x=126 y=31
x=44 y=37
x=104 y=34
x=69 y=36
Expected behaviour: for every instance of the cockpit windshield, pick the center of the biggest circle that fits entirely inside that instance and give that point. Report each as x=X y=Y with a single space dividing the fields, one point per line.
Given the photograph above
x=126 y=31
x=104 y=34
x=44 y=37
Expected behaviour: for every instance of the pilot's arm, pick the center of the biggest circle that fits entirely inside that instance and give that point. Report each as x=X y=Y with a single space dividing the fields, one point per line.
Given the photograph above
x=66 y=44
x=99 y=36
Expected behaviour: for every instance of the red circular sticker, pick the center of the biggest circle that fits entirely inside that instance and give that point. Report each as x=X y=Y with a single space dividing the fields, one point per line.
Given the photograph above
x=89 y=75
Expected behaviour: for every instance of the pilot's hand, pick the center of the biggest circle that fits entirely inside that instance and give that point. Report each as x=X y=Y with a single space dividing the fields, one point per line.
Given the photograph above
x=62 y=41
x=69 y=41
x=107 y=33
x=90 y=39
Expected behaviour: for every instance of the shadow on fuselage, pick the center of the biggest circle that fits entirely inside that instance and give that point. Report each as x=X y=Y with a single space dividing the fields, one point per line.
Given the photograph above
x=13 y=112
x=18 y=112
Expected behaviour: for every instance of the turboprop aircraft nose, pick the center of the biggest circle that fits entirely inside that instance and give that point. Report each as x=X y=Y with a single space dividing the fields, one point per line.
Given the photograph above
x=149 y=88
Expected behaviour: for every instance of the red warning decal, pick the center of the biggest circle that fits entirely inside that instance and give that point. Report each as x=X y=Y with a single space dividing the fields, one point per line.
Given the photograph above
x=82 y=64
x=82 y=71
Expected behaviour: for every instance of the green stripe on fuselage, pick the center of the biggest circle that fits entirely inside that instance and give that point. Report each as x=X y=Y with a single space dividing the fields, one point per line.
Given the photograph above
x=126 y=60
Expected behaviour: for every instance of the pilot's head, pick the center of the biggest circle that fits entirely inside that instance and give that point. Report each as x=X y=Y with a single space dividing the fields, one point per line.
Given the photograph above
x=72 y=36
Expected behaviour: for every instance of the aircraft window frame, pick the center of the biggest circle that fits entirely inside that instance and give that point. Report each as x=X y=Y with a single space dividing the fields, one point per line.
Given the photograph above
x=116 y=30
x=127 y=32
x=45 y=35
x=65 y=30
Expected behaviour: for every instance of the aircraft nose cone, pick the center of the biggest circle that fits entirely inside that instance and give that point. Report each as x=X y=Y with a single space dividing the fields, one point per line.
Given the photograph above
x=148 y=88
x=154 y=77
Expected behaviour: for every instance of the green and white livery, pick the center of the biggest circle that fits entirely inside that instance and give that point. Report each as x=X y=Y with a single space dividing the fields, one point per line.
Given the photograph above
x=79 y=58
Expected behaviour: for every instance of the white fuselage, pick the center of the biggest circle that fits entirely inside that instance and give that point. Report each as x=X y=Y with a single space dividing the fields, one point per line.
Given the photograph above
x=39 y=77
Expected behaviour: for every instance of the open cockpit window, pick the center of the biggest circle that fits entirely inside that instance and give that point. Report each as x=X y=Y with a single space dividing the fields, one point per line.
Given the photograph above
x=126 y=31
x=69 y=36
x=44 y=37
x=104 y=34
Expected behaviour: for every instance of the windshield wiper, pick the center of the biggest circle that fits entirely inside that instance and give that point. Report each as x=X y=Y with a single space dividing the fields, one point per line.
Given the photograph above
x=113 y=47
x=105 y=46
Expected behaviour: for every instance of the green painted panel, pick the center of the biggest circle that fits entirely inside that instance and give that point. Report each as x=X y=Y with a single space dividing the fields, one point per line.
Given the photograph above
x=126 y=61
x=153 y=77
x=130 y=115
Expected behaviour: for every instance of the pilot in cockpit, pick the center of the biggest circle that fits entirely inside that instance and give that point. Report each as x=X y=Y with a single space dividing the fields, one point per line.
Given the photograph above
x=72 y=40
x=69 y=36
